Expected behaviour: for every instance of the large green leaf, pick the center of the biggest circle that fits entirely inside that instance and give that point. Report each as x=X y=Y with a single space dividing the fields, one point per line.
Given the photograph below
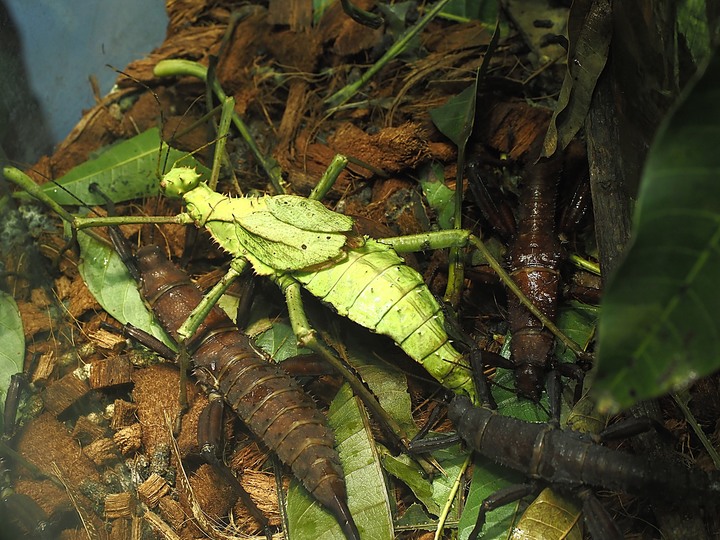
x=659 y=328
x=12 y=338
x=590 y=31
x=114 y=288
x=367 y=494
x=125 y=171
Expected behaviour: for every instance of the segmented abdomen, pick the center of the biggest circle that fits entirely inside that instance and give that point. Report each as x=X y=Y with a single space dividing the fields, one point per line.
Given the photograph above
x=567 y=459
x=270 y=402
x=376 y=289
x=534 y=257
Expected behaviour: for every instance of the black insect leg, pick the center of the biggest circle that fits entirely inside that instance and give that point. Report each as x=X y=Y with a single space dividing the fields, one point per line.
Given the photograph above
x=634 y=426
x=599 y=523
x=482 y=385
x=492 y=205
x=421 y=444
x=210 y=425
x=12 y=402
x=501 y=498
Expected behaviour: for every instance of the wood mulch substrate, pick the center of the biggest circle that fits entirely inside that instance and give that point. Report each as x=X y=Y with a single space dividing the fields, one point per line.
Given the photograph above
x=106 y=426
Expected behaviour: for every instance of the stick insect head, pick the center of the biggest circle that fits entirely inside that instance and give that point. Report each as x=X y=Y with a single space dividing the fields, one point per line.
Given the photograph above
x=178 y=181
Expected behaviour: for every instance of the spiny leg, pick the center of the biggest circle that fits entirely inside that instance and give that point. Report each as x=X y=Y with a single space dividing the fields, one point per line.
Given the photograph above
x=210 y=426
x=307 y=337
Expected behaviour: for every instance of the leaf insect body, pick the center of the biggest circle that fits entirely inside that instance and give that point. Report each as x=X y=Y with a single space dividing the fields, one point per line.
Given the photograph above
x=286 y=237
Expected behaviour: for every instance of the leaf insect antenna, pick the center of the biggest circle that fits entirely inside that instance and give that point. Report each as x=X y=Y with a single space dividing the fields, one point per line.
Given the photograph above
x=118 y=240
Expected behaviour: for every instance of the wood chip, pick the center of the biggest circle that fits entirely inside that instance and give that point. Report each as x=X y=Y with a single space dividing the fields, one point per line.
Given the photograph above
x=106 y=340
x=111 y=371
x=64 y=392
x=124 y=414
x=45 y=367
x=101 y=451
x=87 y=431
x=153 y=489
x=129 y=439
x=121 y=528
x=172 y=512
x=119 y=505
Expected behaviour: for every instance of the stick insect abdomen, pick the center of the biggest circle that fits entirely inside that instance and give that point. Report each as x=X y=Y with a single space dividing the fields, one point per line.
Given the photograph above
x=270 y=402
x=373 y=287
x=506 y=440
x=571 y=460
x=534 y=256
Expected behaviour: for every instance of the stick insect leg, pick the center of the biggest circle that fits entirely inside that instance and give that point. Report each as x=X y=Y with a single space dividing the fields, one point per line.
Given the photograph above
x=12 y=403
x=210 y=425
x=501 y=498
x=599 y=523
x=307 y=337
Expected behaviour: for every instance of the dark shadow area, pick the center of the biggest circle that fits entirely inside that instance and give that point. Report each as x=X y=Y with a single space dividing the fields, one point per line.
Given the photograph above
x=24 y=131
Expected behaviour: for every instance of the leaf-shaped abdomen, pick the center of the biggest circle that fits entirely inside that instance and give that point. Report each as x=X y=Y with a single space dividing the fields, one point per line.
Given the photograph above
x=376 y=289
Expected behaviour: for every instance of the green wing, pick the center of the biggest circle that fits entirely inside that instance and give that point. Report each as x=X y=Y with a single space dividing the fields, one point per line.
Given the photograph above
x=307 y=214
x=276 y=234
x=286 y=247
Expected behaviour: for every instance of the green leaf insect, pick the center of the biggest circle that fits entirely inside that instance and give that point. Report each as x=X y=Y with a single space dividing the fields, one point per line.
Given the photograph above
x=361 y=278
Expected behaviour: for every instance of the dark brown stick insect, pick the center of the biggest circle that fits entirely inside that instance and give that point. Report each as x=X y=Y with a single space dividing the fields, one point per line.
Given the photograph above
x=270 y=402
x=534 y=257
x=17 y=509
x=569 y=460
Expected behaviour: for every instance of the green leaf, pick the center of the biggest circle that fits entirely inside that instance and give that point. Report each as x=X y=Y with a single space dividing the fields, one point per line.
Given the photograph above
x=693 y=24
x=124 y=171
x=659 y=329
x=455 y=118
x=367 y=494
x=578 y=322
x=386 y=381
x=279 y=340
x=488 y=479
x=588 y=54
x=404 y=468
x=109 y=281
x=551 y=516
x=438 y=195
x=483 y=10
x=12 y=338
